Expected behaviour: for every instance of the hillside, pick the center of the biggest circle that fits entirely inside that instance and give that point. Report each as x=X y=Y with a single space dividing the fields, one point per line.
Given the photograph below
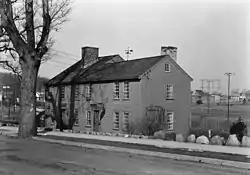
x=11 y=80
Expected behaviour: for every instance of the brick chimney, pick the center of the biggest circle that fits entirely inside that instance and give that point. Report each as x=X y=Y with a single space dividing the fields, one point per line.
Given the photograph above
x=89 y=56
x=169 y=50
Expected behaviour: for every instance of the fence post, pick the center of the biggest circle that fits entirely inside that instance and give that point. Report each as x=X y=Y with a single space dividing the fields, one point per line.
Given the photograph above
x=218 y=126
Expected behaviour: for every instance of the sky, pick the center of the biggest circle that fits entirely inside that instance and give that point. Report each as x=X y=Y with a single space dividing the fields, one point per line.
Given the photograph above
x=212 y=37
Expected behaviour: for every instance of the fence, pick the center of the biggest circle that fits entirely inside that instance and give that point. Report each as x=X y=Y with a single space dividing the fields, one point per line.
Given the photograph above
x=213 y=123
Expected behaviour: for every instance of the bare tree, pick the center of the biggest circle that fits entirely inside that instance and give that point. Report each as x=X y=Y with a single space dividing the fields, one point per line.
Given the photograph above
x=26 y=28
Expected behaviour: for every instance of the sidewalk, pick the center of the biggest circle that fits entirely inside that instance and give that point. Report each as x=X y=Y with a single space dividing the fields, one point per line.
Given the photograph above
x=160 y=143
x=237 y=157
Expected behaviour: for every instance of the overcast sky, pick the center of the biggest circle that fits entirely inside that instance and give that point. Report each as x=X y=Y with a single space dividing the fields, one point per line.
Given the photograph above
x=212 y=37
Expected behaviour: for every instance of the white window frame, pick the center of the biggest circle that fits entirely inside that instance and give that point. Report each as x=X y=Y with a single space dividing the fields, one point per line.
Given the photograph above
x=170 y=120
x=88 y=91
x=126 y=120
x=116 y=91
x=170 y=91
x=77 y=92
x=88 y=119
x=116 y=120
x=76 y=114
x=167 y=67
x=126 y=89
x=63 y=92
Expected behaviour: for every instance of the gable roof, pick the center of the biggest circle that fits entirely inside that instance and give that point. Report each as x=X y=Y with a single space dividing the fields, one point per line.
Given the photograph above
x=119 y=71
x=103 y=71
x=69 y=74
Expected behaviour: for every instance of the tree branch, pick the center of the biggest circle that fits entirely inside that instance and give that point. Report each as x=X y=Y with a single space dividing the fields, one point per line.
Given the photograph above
x=8 y=24
x=29 y=12
x=41 y=46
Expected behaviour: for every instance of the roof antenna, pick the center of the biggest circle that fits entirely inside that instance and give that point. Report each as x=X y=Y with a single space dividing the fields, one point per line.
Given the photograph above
x=128 y=52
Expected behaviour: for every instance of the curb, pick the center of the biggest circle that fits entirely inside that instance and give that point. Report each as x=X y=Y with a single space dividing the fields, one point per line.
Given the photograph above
x=211 y=161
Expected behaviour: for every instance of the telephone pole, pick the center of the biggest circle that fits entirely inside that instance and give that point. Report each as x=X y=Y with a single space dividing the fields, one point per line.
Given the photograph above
x=228 y=74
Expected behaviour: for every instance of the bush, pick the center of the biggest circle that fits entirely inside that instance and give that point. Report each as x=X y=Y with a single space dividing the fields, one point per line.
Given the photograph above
x=165 y=135
x=199 y=102
x=148 y=126
x=239 y=128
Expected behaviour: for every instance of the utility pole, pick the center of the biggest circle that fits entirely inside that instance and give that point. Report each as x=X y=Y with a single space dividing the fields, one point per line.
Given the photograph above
x=128 y=52
x=228 y=74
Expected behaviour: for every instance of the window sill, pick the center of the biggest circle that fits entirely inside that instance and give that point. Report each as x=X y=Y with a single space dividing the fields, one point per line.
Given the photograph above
x=125 y=99
x=88 y=126
x=169 y=98
x=116 y=99
x=115 y=129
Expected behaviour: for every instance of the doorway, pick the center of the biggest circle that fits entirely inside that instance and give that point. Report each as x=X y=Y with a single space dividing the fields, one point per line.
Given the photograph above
x=96 y=121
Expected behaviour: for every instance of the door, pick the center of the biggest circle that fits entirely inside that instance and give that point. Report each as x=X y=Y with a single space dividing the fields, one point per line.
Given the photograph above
x=96 y=121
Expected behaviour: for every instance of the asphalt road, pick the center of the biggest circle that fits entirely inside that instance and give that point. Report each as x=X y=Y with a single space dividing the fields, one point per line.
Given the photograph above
x=29 y=157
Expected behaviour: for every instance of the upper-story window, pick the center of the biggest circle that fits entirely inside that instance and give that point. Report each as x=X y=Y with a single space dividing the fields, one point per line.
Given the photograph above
x=116 y=90
x=167 y=67
x=126 y=90
x=62 y=92
x=77 y=92
x=170 y=91
x=88 y=91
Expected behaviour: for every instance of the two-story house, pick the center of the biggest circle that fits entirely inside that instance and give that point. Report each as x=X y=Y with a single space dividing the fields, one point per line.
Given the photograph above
x=105 y=94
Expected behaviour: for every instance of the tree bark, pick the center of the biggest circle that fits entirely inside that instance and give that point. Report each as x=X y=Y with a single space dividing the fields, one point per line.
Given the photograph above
x=27 y=125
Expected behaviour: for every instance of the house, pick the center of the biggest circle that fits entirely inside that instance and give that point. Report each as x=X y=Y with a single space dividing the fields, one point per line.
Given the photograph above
x=105 y=94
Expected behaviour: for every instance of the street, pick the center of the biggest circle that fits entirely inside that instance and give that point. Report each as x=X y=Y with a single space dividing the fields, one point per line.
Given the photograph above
x=24 y=157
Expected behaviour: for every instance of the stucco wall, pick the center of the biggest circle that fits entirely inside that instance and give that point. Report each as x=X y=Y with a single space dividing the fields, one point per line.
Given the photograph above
x=154 y=93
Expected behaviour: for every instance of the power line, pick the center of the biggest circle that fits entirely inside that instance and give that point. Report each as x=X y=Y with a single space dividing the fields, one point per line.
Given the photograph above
x=65 y=53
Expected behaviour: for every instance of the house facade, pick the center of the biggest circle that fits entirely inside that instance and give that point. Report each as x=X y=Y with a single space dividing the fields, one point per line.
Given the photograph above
x=106 y=94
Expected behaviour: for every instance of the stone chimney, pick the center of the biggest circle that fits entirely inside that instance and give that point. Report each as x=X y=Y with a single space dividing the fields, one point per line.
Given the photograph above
x=169 y=50
x=89 y=56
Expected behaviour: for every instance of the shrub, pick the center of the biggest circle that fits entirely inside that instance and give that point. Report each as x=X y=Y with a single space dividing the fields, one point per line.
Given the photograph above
x=149 y=126
x=199 y=102
x=239 y=128
x=165 y=135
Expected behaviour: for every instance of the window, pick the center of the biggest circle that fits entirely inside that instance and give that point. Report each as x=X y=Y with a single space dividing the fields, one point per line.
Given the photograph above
x=88 y=92
x=125 y=121
x=62 y=92
x=116 y=120
x=116 y=90
x=76 y=117
x=170 y=120
x=88 y=117
x=167 y=67
x=170 y=93
x=77 y=92
x=126 y=90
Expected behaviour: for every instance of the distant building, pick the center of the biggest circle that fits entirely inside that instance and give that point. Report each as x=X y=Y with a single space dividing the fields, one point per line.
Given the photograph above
x=247 y=95
x=105 y=94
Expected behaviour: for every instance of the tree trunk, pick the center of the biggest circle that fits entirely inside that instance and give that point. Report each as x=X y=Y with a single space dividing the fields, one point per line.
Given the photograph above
x=27 y=125
x=56 y=108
